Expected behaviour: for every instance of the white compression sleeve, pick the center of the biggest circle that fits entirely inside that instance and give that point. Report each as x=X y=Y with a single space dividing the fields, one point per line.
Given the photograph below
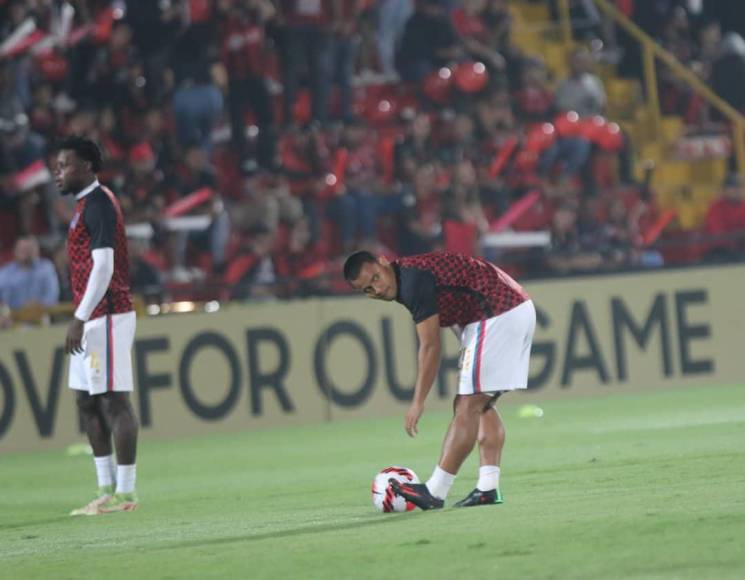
x=98 y=282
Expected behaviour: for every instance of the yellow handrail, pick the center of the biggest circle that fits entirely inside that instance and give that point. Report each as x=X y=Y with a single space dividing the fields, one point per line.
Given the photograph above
x=652 y=50
x=565 y=21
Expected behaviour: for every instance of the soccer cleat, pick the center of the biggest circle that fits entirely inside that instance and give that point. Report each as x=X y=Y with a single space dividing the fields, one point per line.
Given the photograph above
x=478 y=497
x=91 y=509
x=119 y=502
x=417 y=493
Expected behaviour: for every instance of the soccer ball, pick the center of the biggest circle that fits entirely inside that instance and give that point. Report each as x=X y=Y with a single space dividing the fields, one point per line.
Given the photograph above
x=384 y=499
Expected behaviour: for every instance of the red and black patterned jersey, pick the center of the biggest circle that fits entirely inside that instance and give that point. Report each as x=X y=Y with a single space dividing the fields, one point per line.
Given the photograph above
x=98 y=223
x=242 y=49
x=460 y=288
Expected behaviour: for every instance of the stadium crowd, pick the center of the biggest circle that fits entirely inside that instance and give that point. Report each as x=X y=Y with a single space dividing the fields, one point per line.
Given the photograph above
x=253 y=143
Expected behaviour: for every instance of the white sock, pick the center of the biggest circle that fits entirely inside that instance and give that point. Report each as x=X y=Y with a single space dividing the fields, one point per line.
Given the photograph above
x=488 y=478
x=440 y=482
x=125 y=478
x=104 y=470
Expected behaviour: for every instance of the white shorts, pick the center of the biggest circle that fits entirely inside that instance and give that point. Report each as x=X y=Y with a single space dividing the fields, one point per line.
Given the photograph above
x=495 y=353
x=106 y=361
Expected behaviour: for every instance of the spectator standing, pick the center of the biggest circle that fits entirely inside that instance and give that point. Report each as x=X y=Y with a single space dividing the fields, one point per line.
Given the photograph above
x=392 y=18
x=498 y=21
x=470 y=24
x=308 y=38
x=729 y=69
x=346 y=47
x=154 y=27
x=355 y=208
x=429 y=41
x=197 y=102
x=243 y=52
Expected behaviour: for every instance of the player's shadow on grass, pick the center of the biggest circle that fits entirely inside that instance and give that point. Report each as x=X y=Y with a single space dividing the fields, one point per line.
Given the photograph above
x=301 y=531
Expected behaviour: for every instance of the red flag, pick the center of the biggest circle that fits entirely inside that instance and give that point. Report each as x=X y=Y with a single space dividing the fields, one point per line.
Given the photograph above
x=501 y=159
x=32 y=176
x=188 y=203
x=514 y=212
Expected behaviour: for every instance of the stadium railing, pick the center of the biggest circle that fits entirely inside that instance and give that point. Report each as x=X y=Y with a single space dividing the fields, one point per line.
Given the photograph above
x=513 y=252
x=653 y=52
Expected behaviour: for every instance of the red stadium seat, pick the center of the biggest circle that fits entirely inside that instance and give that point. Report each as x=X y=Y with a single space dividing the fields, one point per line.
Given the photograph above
x=438 y=85
x=471 y=77
x=540 y=138
x=568 y=125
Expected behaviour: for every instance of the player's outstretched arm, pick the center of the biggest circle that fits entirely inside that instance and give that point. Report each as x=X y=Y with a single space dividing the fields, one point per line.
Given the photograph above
x=428 y=331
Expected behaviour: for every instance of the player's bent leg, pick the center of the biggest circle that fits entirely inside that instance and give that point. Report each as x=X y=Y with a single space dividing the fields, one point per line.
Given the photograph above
x=459 y=441
x=491 y=437
x=463 y=431
x=491 y=441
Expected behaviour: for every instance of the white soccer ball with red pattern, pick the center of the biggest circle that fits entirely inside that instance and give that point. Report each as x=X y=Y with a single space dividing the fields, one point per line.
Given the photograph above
x=384 y=499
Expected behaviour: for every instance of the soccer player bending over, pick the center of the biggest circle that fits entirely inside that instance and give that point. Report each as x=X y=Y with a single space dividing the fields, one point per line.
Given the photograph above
x=99 y=337
x=494 y=319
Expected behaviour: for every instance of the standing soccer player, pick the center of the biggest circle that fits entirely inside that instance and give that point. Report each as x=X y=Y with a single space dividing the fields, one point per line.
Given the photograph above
x=99 y=337
x=494 y=319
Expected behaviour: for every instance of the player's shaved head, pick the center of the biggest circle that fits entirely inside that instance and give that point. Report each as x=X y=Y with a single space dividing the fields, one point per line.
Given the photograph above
x=354 y=263
x=374 y=277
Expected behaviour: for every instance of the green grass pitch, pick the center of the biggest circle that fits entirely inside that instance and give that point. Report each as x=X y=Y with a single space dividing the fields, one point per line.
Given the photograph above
x=645 y=485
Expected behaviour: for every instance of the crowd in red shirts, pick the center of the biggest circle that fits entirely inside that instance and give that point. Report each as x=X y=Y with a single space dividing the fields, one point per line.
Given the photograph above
x=253 y=143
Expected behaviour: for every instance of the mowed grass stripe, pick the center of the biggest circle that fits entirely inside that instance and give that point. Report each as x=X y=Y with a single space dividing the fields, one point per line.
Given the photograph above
x=592 y=491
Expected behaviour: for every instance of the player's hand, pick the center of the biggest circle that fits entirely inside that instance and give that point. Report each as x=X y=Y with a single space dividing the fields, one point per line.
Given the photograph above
x=74 y=337
x=412 y=418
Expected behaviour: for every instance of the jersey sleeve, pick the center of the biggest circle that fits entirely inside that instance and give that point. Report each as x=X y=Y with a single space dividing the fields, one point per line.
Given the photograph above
x=100 y=220
x=418 y=293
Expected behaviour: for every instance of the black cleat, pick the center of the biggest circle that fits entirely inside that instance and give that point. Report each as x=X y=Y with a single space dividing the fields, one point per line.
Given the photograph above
x=478 y=497
x=418 y=494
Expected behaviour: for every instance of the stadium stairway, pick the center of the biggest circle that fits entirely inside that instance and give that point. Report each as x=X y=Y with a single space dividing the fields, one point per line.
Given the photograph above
x=685 y=185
